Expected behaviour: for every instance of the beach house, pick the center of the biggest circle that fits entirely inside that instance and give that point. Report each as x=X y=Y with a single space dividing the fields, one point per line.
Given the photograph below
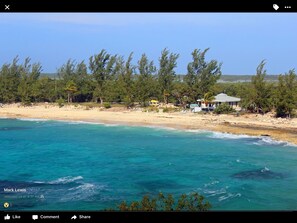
x=218 y=99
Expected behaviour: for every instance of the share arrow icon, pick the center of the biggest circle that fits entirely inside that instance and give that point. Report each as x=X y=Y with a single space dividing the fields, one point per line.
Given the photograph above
x=73 y=217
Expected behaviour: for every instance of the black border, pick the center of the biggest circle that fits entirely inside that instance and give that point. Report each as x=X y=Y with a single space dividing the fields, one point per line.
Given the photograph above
x=146 y=6
x=149 y=217
x=152 y=6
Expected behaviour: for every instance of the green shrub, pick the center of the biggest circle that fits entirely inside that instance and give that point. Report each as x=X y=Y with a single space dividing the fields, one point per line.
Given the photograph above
x=223 y=109
x=60 y=102
x=191 y=202
x=106 y=105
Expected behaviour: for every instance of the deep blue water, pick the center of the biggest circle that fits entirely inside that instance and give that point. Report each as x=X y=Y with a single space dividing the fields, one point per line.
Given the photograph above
x=79 y=166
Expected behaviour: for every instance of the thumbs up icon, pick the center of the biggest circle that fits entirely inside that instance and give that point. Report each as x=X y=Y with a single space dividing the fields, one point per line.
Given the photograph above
x=7 y=217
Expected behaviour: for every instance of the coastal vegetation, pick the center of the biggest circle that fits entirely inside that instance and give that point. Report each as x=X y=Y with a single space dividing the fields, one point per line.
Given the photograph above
x=191 y=202
x=108 y=79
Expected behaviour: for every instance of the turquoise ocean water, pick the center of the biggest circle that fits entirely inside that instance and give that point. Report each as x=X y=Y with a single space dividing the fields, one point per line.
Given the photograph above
x=80 y=166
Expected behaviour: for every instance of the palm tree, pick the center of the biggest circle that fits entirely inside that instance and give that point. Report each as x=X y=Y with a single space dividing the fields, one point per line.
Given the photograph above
x=208 y=98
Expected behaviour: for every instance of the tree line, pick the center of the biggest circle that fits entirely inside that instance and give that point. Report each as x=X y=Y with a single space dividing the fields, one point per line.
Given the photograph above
x=112 y=78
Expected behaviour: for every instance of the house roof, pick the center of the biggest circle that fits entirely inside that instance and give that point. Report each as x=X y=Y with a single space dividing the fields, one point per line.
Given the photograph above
x=225 y=98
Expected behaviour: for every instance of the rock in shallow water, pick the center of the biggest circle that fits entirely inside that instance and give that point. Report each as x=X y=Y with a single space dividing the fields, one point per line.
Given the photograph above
x=258 y=174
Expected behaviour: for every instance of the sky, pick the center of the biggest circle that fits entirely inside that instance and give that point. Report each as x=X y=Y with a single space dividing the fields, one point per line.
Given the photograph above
x=239 y=40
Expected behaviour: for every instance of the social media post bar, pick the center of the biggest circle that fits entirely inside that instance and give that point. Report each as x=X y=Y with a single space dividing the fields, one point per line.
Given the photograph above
x=45 y=216
x=145 y=217
x=154 y=6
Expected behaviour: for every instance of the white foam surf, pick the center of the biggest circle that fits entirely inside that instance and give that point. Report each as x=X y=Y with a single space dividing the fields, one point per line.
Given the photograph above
x=85 y=191
x=266 y=140
x=212 y=193
x=266 y=169
x=259 y=140
x=199 y=131
x=155 y=127
x=33 y=119
x=62 y=180
x=85 y=186
x=65 y=180
x=229 y=196
x=211 y=183
x=223 y=135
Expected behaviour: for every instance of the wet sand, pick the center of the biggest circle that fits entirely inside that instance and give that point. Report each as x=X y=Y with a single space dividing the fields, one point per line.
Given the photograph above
x=250 y=124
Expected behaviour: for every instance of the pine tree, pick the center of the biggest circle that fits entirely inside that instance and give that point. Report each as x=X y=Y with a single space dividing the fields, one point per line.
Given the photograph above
x=286 y=94
x=166 y=73
x=261 y=90
x=202 y=75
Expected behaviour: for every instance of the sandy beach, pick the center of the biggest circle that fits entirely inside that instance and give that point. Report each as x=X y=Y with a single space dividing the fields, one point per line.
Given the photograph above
x=250 y=124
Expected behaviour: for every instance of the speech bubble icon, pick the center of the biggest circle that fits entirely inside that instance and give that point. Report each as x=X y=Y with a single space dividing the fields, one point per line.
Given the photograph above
x=34 y=217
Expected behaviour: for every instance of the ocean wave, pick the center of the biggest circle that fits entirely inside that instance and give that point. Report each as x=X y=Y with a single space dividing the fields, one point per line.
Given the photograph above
x=74 y=122
x=211 y=183
x=85 y=186
x=220 y=194
x=33 y=119
x=62 y=180
x=155 y=127
x=228 y=196
x=212 y=193
x=65 y=180
x=77 y=122
x=259 y=140
x=223 y=135
x=85 y=191
x=199 y=131
x=266 y=169
x=266 y=140
x=110 y=125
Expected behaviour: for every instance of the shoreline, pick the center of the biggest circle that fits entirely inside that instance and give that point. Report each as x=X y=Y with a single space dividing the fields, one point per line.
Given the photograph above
x=251 y=125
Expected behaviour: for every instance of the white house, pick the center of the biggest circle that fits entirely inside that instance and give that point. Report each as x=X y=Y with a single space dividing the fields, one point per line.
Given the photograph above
x=218 y=99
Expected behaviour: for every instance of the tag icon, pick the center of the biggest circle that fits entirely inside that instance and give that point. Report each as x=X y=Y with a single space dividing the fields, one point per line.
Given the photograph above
x=275 y=6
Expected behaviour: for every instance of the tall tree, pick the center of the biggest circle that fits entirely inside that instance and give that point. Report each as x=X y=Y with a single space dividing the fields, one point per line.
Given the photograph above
x=181 y=93
x=29 y=77
x=66 y=73
x=261 y=90
x=166 y=73
x=84 y=83
x=202 y=75
x=102 y=67
x=44 y=90
x=145 y=87
x=286 y=94
x=10 y=79
x=126 y=81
